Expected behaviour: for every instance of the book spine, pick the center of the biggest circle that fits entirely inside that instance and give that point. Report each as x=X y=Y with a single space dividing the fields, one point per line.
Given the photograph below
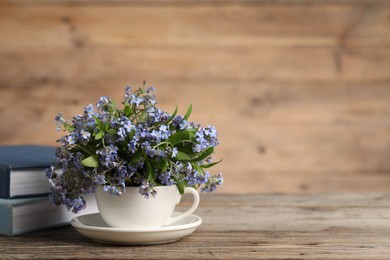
x=6 y=220
x=4 y=181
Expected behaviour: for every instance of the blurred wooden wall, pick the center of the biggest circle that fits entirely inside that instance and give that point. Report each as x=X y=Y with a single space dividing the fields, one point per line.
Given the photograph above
x=299 y=90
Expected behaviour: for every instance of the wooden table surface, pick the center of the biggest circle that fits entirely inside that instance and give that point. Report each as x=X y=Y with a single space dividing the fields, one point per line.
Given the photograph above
x=261 y=226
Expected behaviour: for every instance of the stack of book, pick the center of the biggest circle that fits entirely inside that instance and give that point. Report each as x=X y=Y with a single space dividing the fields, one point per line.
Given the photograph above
x=24 y=189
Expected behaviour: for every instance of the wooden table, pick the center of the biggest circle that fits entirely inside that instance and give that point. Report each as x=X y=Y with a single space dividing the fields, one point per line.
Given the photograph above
x=261 y=226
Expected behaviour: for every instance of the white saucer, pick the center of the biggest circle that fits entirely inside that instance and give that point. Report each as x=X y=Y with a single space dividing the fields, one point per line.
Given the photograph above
x=94 y=227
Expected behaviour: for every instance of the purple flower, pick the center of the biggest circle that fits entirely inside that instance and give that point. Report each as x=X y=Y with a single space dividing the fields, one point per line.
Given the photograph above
x=213 y=182
x=100 y=179
x=205 y=138
x=150 y=152
x=122 y=171
x=174 y=152
x=166 y=179
x=135 y=100
x=132 y=146
x=85 y=135
x=68 y=139
x=59 y=121
x=108 y=156
x=150 y=89
x=127 y=92
x=195 y=178
x=177 y=121
x=164 y=132
x=112 y=189
x=103 y=103
x=146 y=190
x=89 y=111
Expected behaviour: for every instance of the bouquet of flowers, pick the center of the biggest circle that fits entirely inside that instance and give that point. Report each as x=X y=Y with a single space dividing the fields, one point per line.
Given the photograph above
x=138 y=145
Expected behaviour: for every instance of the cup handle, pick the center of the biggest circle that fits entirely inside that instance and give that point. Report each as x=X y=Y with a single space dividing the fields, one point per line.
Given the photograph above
x=194 y=206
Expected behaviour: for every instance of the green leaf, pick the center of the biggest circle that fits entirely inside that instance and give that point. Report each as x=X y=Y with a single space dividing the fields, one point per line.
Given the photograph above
x=99 y=123
x=183 y=157
x=189 y=111
x=186 y=148
x=91 y=161
x=161 y=164
x=68 y=127
x=99 y=135
x=205 y=166
x=143 y=116
x=128 y=111
x=187 y=135
x=135 y=157
x=197 y=168
x=203 y=155
x=106 y=126
x=131 y=135
x=180 y=187
x=172 y=116
x=149 y=171
x=112 y=131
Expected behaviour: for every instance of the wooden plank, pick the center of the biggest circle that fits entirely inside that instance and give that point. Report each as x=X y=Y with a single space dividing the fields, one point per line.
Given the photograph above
x=292 y=181
x=258 y=104
x=184 y=2
x=266 y=25
x=155 y=64
x=268 y=226
x=279 y=127
x=308 y=65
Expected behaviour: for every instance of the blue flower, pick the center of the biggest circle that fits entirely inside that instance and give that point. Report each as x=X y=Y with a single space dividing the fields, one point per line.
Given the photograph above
x=195 y=178
x=112 y=189
x=146 y=190
x=122 y=171
x=177 y=121
x=205 y=138
x=75 y=205
x=156 y=135
x=68 y=139
x=127 y=92
x=85 y=135
x=100 y=179
x=132 y=146
x=122 y=133
x=212 y=183
x=59 y=121
x=132 y=169
x=108 y=156
x=89 y=111
x=135 y=100
x=174 y=152
x=103 y=103
x=184 y=125
x=166 y=179
x=150 y=152
x=150 y=89
x=164 y=132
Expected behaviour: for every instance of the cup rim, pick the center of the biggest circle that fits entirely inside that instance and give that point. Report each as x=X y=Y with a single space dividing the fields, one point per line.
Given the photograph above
x=154 y=187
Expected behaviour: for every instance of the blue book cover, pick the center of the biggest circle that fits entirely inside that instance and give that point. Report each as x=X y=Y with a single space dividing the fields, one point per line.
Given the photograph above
x=22 y=170
x=20 y=216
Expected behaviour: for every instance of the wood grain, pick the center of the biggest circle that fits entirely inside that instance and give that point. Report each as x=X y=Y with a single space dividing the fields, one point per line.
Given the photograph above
x=267 y=226
x=299 y=89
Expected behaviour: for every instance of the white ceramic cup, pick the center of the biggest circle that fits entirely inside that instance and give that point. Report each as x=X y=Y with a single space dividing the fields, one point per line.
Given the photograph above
x=132 y=210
